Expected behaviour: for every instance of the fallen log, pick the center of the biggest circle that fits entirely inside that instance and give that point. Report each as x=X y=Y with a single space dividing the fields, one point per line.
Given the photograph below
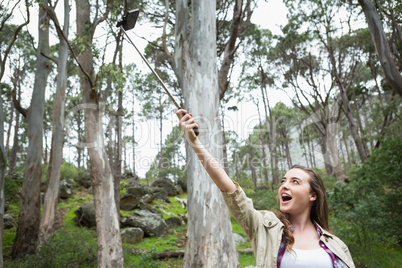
x=178 y=253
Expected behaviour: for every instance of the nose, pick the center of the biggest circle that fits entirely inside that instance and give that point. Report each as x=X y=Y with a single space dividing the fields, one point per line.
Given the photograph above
x=284 y=185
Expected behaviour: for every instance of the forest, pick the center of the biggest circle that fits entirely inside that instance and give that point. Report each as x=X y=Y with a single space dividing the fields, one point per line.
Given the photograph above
x=90 y=145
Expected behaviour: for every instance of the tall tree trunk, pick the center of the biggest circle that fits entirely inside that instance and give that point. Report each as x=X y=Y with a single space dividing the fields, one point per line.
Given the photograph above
x=10 y=126
x=311 y=153
x=392 y=74
x=52 y=193
x=327 y=159
x=349 y=160
x=160 y=160
x=287 y=150
x=79 y=148
x=14 y=149
x=210 y=241
x=119 y=151
x=133 y=141
x=110 y=252
x=332 y=144
x=270 y=129
x=224 y=144
x=29 y=217
x=2 y=177
x=263 y=146
x=348 y=112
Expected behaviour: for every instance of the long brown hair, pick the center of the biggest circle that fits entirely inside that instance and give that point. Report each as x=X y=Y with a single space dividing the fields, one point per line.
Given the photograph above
x=319 y=211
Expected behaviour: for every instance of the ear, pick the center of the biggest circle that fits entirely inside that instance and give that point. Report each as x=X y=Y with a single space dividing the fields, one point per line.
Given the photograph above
x=313 y=197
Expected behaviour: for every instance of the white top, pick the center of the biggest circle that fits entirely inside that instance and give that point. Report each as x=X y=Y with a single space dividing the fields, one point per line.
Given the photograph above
x=314 y=258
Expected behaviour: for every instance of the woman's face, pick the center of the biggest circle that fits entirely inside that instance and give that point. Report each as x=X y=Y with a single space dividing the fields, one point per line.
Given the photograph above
x=295 y=192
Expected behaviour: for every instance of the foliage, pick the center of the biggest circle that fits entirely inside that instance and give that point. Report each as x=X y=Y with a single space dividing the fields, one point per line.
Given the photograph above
x=145 y=260
x=264 y=198
x=171 y=163
x=367 y=211
x=68 y=248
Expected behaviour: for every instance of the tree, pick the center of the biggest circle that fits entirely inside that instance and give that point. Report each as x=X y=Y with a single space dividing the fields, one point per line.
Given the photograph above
x=382 y=45
x=254 y=72
x=303 y=71
x=29 y=216
x=53 y=179
x=285 y=118
x=210 y=242
x=110 y=252
x=2 y=175
x=3 y=156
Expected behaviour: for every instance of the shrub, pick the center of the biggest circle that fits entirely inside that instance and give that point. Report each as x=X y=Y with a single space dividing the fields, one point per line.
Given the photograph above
x=64 y=249
x=367 y=211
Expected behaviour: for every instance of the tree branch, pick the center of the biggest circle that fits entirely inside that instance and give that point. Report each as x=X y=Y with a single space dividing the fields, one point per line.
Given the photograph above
x=17 y=104
x=391 y=72
x=14 y=38
x=61 y=34
x=240 y=21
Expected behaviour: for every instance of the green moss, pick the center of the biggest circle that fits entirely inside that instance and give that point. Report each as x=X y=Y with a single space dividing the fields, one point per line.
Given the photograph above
x=173 y=207
x=246 y=259
x=173 y=240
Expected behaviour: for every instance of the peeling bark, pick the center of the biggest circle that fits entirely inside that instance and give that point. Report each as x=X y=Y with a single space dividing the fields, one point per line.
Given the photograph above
x=29 y=217
x=52 y=192
x=210 y=242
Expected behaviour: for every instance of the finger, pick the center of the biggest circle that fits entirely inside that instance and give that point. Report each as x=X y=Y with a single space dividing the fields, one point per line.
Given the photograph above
x=180 y=113
x=191 y=127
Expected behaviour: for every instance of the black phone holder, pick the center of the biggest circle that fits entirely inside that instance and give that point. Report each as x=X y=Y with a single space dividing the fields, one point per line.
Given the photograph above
x=128 y=21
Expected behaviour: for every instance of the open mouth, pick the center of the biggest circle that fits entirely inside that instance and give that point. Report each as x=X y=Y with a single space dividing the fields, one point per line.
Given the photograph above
x=286 y=197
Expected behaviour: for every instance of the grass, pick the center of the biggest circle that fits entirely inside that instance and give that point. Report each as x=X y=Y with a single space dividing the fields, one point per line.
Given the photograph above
x=74 y=246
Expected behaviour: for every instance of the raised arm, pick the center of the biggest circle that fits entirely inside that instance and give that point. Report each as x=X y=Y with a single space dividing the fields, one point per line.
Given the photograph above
x=211 y=164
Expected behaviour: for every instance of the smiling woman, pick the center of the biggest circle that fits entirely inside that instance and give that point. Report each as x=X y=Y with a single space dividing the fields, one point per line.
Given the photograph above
x=296 y=236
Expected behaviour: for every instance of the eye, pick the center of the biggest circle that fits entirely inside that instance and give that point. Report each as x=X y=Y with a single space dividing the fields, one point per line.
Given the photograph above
x=295 y=181
x=282 y=181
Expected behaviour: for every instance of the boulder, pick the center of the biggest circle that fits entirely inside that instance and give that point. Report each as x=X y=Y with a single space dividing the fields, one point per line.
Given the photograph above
x=9 y=221
x=144 y=206
x=179 y=189
x=160 y=194
x=174 y=222
x=166 y=185
x=65 y=189
x=86 y=215
x=132 y=235
x=239 y=238
x=129 y=202
x=183 y=184
x=148 y=198
x=152 y=224
x=137 y=189
x=84 y=180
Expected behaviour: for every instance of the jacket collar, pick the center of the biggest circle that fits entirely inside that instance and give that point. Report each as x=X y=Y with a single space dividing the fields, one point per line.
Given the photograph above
x=321 y=231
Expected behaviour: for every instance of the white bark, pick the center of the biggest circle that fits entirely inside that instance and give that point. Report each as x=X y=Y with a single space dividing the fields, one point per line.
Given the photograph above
x=110 y=251
x=2 y=176
x=29 y=216
x=52 y=192
x=210 y=242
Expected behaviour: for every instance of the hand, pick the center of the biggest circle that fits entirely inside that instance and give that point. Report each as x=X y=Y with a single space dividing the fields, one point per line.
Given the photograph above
x=187 y=124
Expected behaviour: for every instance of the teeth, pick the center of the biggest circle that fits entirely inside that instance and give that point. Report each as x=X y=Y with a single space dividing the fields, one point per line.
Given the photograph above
x=286 y=197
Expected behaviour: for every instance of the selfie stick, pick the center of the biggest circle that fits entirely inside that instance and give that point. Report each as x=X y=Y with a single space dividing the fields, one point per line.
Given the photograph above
x=127 y=23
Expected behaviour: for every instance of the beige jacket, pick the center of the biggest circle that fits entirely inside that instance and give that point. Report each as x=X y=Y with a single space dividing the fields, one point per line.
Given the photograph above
x=264 y=230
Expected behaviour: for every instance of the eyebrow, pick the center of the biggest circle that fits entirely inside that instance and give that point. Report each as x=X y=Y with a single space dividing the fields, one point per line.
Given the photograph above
x=292 y=178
